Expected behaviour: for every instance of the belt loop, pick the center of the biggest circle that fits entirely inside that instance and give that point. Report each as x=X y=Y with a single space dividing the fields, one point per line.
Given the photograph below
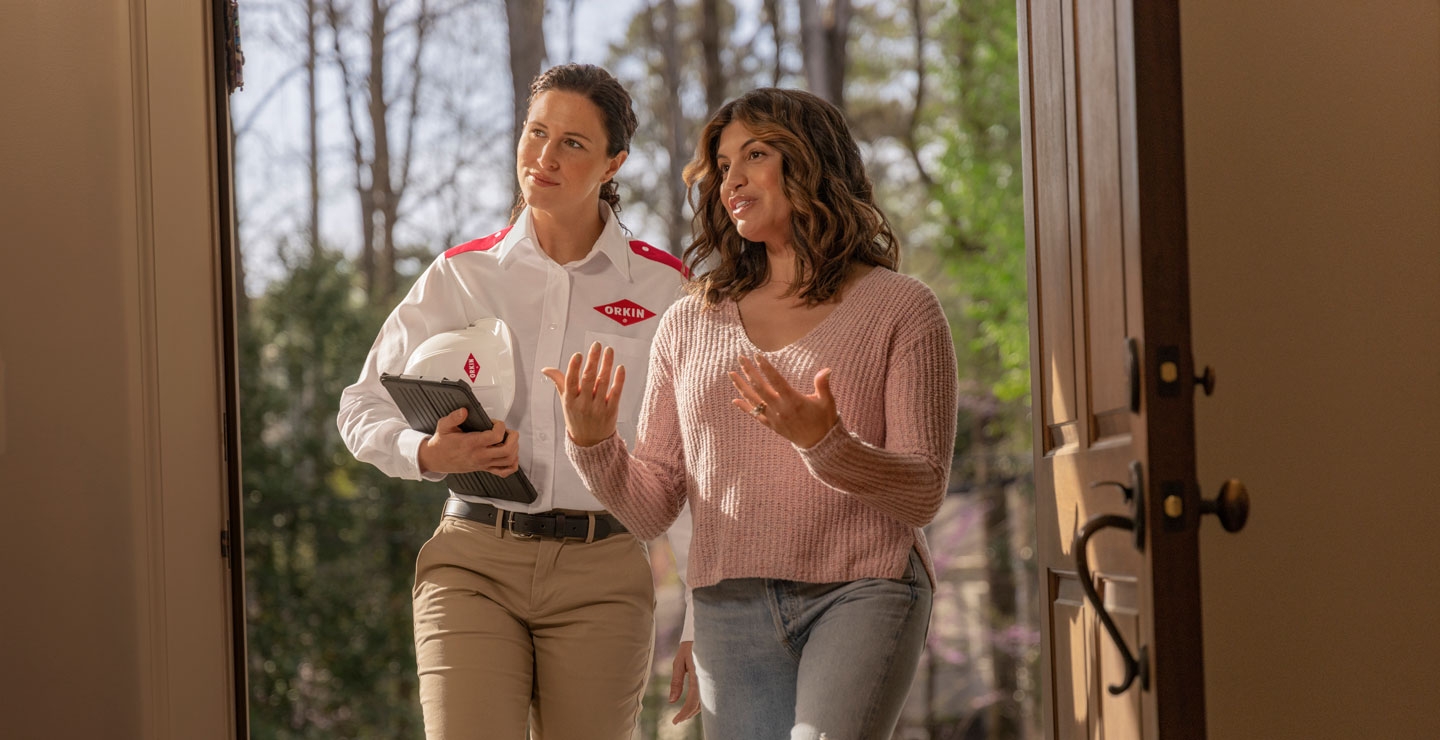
x=500 y=523
x=590 y=534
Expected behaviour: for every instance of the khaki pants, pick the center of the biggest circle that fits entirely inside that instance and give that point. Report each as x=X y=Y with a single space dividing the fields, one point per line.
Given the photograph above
x=559 y=633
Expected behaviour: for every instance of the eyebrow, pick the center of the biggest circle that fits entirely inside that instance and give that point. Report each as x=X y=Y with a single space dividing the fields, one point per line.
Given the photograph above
x=748 y=142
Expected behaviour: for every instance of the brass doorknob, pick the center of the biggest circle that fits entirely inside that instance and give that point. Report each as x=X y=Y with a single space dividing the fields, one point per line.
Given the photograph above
x=1231 y=507
x=1206 y=380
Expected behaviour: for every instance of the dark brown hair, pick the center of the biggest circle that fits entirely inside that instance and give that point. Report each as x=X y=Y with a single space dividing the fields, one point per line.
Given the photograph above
x=833 y=212
x=606 y=92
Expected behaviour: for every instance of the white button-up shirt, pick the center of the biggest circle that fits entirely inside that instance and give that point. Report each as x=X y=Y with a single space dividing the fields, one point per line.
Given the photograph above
x=615 y=295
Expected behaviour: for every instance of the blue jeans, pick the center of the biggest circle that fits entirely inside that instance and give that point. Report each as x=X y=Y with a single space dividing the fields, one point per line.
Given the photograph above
x=789 y=660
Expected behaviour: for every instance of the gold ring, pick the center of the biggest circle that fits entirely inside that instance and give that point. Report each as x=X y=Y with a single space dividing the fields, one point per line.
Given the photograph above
x=758 y=410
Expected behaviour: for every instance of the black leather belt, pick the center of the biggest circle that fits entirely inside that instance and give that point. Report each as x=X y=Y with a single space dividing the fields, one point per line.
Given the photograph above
x=551 y=524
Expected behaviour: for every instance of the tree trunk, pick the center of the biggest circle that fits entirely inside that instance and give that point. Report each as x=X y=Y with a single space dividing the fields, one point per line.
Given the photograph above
x=668 y=45
x=313 y=126
x=380 y=183
x=823 y=36
x=710 y=52
x=527 y=52
x=772 y=15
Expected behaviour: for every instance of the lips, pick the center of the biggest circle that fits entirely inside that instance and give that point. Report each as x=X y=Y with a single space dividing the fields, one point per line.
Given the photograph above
x=739 y=203
x=541 y=181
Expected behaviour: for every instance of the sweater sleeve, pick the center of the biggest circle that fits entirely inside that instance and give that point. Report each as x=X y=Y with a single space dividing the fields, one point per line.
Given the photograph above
x=645 y=489
x=906 y=477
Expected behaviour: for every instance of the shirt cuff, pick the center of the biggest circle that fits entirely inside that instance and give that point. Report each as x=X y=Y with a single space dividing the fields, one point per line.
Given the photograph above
x=409 y=442
x=593 y=454
x=833 y=441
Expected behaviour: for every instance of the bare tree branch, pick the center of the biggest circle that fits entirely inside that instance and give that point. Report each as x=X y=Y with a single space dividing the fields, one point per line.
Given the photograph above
x=917 y=16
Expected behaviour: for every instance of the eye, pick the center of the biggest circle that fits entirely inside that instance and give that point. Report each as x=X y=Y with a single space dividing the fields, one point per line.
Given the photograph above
x=573 y=144
x=537 y=133
x=755 y=154
x=724 y=169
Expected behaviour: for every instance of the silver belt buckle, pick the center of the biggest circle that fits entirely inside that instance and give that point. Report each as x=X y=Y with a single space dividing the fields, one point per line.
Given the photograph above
x=510 y=527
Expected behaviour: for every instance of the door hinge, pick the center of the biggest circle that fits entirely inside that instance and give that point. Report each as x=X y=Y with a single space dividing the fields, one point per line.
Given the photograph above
x=225 y=543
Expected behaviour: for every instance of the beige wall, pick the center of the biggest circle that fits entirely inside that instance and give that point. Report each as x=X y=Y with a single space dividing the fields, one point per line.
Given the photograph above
x=1313 y=165
x=113 y=617
x=1313 y=150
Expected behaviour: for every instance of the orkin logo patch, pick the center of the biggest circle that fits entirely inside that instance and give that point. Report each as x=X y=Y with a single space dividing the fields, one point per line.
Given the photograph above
x=625 y=312
x=472 y=368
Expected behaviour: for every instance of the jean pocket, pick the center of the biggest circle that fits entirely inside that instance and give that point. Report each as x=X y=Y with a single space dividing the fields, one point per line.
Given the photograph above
x=915 y=570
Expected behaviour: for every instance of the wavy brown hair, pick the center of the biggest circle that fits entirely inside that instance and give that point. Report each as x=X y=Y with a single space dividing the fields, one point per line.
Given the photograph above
x=616 y=113
x=835 y=219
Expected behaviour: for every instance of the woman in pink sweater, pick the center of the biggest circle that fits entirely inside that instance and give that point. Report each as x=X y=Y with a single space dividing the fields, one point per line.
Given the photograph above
x=803 y=400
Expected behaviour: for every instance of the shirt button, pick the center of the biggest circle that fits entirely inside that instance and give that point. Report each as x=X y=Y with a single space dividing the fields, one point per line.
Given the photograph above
x=552 y=327
x=544 y=437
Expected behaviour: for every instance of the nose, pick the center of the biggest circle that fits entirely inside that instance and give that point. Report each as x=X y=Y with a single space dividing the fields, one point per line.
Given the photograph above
x=547 y=157
x=732 y=181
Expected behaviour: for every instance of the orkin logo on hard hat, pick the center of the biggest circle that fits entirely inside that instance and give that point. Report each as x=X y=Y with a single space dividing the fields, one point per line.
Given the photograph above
x=481 y=354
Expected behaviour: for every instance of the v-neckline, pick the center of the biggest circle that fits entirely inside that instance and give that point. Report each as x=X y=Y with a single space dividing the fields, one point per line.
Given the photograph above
x=814 y=331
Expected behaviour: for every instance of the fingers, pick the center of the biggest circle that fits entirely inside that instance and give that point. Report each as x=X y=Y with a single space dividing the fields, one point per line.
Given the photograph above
x=777 y=383
x=756 y=379
x=572 y=376
x=607 y=363
x=450 y=422
x=822 y=387
x=613 y=397
x=497 y=451
x=747 y=393
x=692 y=703
x=556 y=377
x=677 y=676
x=684 y=678
x=592 y=367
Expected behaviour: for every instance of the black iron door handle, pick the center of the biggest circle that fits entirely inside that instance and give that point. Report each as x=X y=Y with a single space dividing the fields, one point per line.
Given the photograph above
x=1133 y=667
x=1135 y=495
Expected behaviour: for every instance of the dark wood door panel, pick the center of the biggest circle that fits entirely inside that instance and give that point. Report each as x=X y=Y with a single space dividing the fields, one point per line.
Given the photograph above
x=1106 y=252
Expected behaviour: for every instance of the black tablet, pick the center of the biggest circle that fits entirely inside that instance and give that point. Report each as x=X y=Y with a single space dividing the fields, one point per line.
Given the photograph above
x=424 y=401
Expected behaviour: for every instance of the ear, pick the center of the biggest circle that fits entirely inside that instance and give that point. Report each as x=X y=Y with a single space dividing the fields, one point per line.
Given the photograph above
x=614 y=167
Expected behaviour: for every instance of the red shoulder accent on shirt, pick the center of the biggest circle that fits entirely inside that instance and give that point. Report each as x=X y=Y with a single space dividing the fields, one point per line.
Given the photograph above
x=656 y=254
x=482 y=244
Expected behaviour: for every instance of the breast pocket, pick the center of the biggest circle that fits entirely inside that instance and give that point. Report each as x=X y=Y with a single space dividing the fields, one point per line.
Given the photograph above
x=634 y=354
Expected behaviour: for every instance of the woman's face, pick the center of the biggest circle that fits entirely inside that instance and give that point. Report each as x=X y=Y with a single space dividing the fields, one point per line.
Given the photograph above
x=752 y=186
x=561 y=161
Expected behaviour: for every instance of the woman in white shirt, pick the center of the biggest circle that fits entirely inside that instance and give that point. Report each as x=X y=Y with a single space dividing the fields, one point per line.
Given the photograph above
x=537 y=614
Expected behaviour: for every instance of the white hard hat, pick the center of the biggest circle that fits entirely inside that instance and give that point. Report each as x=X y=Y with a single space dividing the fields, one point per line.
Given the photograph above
x=482 y=354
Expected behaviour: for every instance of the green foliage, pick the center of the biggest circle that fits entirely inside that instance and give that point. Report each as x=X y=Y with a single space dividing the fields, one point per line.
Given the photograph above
x=330 y=543
x=978 y=188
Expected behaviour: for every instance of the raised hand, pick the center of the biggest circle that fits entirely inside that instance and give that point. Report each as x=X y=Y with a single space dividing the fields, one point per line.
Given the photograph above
x=765 y=395
x=450 y=450
x=589 y=395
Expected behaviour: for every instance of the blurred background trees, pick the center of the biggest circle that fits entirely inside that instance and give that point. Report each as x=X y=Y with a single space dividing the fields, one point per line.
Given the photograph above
x=376 y=133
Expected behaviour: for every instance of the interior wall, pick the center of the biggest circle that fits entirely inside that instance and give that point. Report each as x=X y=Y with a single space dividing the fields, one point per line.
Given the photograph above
x=68 y=625
x=1313 y=168
x=114 y=619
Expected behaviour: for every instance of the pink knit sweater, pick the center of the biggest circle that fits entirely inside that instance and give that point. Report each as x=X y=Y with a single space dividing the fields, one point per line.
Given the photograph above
x=849 y=507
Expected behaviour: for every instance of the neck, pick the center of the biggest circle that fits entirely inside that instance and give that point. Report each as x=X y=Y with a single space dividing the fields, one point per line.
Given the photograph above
x=781 y=259
x=569 y=236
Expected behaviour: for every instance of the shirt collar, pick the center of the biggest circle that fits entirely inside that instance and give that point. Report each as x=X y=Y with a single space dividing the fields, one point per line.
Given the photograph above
x=612 y=242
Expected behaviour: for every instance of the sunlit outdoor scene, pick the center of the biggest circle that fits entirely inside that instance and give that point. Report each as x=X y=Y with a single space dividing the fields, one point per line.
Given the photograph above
x=372 y=135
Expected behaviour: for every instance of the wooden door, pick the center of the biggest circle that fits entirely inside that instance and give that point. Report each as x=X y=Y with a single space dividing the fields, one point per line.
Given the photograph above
x=1105 y=224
